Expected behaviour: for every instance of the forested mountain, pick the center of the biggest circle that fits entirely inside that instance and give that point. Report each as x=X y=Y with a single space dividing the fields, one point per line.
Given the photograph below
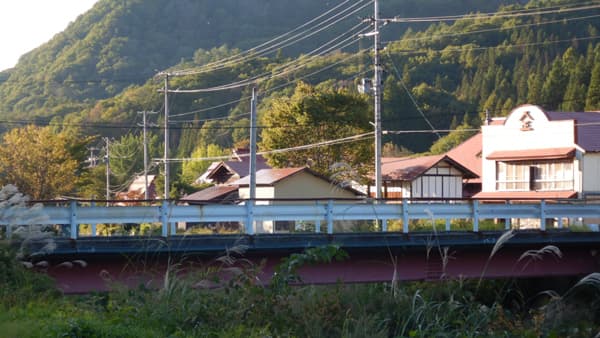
x=124 y=42
x=439 y=73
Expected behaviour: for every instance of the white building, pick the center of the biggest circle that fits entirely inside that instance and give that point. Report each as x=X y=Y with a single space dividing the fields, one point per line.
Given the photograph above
x=533 y=154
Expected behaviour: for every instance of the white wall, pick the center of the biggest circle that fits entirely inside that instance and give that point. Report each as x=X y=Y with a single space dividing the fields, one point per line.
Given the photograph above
x=591 y=172
x=544 y=134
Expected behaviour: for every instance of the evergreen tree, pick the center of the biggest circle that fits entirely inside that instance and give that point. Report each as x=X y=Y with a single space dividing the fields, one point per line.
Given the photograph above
x=592 y=101
x=554 y=87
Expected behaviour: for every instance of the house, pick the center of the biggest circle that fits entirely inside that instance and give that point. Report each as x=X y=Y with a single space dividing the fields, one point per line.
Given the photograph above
x=291 y=183
x=434 y=176
x=137 y=189
x=223 y=172
x=534 y=154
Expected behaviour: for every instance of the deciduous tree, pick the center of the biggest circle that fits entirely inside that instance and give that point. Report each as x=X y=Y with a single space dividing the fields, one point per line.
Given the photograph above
x=313 y=115
x=37 y=160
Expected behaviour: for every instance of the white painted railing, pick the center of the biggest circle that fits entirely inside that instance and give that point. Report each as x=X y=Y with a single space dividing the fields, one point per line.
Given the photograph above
x=322 y=213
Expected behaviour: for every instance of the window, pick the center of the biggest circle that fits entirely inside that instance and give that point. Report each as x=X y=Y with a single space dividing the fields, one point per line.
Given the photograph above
x=523 y=176
x=510 y=176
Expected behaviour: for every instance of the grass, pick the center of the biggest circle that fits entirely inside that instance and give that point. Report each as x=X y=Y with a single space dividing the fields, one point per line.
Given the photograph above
x=185 y=307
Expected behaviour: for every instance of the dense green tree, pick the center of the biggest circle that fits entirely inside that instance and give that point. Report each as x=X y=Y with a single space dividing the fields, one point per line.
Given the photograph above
x=310 y=116
x=555 y=85
x=592 y=101
x=192 y=169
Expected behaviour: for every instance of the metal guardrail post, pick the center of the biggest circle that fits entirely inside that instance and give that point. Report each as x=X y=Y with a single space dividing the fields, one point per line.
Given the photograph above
x=507 y=220
x=250 y=217
x=164 y=218
x=8 y=231
x=317 y=222
x=384 y=225
x=405 y=219
x=73 y=220
x=475 y=215
x=93 y=204
x=448 y=225
x=329 y=217
x=543 y=215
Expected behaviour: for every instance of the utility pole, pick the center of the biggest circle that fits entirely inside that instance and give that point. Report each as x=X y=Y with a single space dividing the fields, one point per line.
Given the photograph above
x=166 y=136
x=145 y=124
x=377 y=93
x=107 y=157
x=253 y=146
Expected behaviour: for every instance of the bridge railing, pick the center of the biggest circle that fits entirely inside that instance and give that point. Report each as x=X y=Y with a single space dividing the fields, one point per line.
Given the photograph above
x=322 y=214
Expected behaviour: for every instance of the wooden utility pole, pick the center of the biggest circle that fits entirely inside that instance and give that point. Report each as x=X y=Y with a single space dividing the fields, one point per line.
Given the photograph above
x=145 y=125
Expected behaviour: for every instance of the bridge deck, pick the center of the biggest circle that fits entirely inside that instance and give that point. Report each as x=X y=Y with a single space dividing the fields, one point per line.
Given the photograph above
x=374 y=257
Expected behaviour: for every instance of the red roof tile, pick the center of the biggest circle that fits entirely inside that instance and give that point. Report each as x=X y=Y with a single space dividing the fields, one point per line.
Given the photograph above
x=529 y=195
x=407 y=168
x=532 y=154
x=468 y=154
x=270 y=176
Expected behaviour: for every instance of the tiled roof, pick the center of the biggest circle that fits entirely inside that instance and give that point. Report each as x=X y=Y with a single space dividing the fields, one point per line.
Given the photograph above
x=532 y=154
x=468 y=154
x=211 y=193
x=407 y=168
x=526 y=195
x=270 y=176
x=587 y=127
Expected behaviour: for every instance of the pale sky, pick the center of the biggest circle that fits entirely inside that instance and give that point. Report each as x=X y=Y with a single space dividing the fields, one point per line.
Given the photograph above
x=26 y=24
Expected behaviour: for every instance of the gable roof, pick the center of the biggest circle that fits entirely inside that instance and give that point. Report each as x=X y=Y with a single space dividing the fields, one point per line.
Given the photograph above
x=468 y=154
x=409 y=168
x=240 y=167
x=271 y=176
x=211 y=194
x=587 y=127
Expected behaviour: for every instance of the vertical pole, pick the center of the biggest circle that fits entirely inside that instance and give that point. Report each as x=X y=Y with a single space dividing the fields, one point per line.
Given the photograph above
x=329 y=217
x=164 y=218
x=166 y=136
x=253 y=146
x=73 y=220
x=475 y=215
x=543 y=215
x=107 y=144
x=377 y=108
x=93 y=205
x=405 y=218
x=146 y=195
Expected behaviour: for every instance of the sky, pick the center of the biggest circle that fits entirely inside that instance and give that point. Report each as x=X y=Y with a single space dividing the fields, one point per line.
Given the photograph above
x=27 y=24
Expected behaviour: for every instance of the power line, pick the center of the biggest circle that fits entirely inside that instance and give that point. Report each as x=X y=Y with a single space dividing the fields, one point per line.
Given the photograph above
x=280 y=70
x=257 y=52
x=510 y=14
x=354 y=138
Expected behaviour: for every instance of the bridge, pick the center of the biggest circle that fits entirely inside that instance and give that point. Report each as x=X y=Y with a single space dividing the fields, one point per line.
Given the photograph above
x=92 y=262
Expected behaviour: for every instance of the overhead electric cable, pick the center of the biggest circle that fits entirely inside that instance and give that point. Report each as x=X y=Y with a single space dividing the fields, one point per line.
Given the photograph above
x=513 y=14
x=287 y=42
x=354 y=138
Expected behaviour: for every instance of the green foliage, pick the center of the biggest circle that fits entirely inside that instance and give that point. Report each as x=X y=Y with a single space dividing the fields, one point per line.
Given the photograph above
x=200 y=304
x=37 y=160
x=18 y=285
x=315 y=115
x=191 y=170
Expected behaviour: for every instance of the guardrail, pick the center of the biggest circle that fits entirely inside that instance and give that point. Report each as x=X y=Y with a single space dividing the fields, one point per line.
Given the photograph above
x=322 y=212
